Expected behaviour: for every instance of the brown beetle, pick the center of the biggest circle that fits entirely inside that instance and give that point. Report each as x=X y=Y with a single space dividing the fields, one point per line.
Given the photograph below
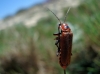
x=64 y=43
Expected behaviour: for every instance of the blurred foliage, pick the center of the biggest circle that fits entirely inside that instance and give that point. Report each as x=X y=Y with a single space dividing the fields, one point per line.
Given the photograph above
x=33 y=45
x=26 y=50
x=17 y=51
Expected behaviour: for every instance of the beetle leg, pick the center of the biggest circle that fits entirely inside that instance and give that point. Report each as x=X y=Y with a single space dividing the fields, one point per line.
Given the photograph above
x=57 y=54
x=58 y=51
x=56 y=34
x=57 y=42
x=57 y=46
x=71 y=54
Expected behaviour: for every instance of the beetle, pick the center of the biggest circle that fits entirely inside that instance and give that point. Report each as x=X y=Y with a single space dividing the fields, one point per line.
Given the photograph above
x=64 y=43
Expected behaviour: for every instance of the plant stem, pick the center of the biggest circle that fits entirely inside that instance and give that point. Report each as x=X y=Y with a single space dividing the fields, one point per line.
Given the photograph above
x=64 y=71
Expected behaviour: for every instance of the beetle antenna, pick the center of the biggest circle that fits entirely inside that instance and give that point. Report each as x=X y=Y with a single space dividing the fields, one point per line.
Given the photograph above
x=66 y=14
x=55 y=15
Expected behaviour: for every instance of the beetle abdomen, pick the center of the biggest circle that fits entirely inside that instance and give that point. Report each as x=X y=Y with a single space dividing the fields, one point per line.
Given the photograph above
x=65 y=49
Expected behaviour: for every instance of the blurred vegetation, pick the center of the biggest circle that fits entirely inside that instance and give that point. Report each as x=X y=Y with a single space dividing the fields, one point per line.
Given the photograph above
x=26 y=50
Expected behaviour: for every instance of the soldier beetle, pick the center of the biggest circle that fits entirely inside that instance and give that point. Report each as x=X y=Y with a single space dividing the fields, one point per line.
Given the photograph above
x=64 y=43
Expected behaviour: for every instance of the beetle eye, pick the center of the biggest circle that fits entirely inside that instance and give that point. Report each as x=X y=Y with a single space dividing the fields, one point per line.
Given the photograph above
x=66 y=27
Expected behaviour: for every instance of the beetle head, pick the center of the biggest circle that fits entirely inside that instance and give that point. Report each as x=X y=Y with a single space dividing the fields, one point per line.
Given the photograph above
x=64 y=27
